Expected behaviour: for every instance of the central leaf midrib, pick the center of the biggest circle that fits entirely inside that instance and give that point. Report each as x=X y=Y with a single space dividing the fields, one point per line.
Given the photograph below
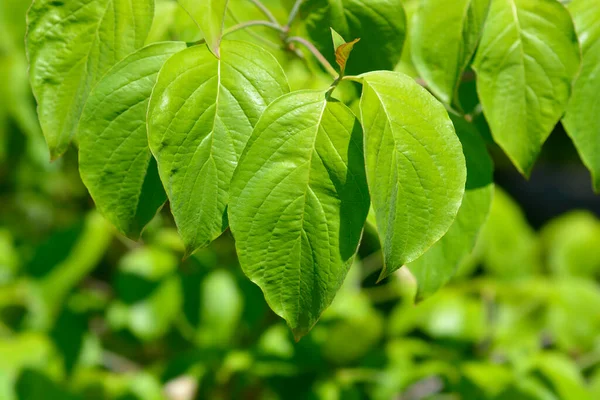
x=313 y=150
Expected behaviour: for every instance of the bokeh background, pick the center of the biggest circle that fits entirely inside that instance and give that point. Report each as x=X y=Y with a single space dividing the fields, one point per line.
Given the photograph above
x=88 y=314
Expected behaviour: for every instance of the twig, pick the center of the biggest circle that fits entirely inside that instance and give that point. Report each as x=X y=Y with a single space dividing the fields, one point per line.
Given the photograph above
x=315 y=52
x=293 y=14
x=249 y=24
x=254 y=34
x=265 y=10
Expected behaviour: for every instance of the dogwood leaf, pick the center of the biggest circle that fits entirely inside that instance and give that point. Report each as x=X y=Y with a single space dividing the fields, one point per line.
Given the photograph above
x=415 y=165
x=299 y=204
x=114 y=160
x=201 y=114
x=526 y=62
x=70 y=45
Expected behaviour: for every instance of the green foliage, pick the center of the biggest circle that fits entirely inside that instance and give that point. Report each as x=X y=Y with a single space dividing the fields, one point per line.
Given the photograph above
x=209 y=15
x=380 y=25
x=202 y=109
x=191 y=104
x=526 y=63
x=434 y=268
x=416 y=193
x=581 y=120
x=300 y=201
x=208 y=105
x=114 y=159
x=98 y=34
x=442 y=60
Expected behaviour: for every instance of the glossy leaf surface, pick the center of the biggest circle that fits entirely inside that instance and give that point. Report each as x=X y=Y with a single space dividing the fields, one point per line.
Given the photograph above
x=299 y=203
x=209 y=15
x=415 y=165
x=71 y=44
x=443 y=41
x=582 y=120
x=201 y=114
x=380 y=24
x=526 y=62
x=435 y=268
x=114 y=160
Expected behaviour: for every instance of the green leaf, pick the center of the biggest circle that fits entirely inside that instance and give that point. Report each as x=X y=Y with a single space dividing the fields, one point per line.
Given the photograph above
x=342 y=50
x=201 y=114
x=221 y=308
x=114 y=160
x=381 y=25
x=434 y=268
x=443 y=41
x=209 y=15
x=64 y=260
x=299 y=203
x=582 y=120
x=510 y=245
x=415 y=166
x=571 y=242
x=526 y=62
x=150 y=293
x=71 y=44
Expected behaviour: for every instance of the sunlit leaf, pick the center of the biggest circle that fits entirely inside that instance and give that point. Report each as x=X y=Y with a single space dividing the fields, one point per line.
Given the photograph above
x=443 y=41
x=210 y=17
x=526 y=62
x=582 y=120
x=70 y=45
x=415 y=166
x=201 y=113
x=299 y=203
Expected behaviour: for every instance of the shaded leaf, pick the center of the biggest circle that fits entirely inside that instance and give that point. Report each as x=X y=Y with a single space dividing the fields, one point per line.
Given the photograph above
x=299 y=203
x=434 y=268
x=443 y=41
x=70 y=45
x=510 y=246
x=114 y=160
x=381 y=25
x=201 y=113
x=415 y=165
x=526 y=62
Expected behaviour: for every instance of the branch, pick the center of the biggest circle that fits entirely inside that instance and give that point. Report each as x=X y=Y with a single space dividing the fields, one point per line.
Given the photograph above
x=293 y=14
x=249 y=24
x=264 y=10
x=255 y=35
x=315 y=53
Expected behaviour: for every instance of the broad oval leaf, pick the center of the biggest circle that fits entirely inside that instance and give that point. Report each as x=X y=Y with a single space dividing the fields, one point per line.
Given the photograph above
x=209 y=15
x=379 y=24
x=526 y=62
x=299 y=203
x=201 y=114
x=582 y=120
x=435 y=268
x=415 y=165
x=70 y=45
x=114 y=159
x=443 y=40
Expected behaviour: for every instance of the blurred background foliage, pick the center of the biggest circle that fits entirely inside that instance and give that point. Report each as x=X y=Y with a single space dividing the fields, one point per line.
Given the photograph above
x=87 y=314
